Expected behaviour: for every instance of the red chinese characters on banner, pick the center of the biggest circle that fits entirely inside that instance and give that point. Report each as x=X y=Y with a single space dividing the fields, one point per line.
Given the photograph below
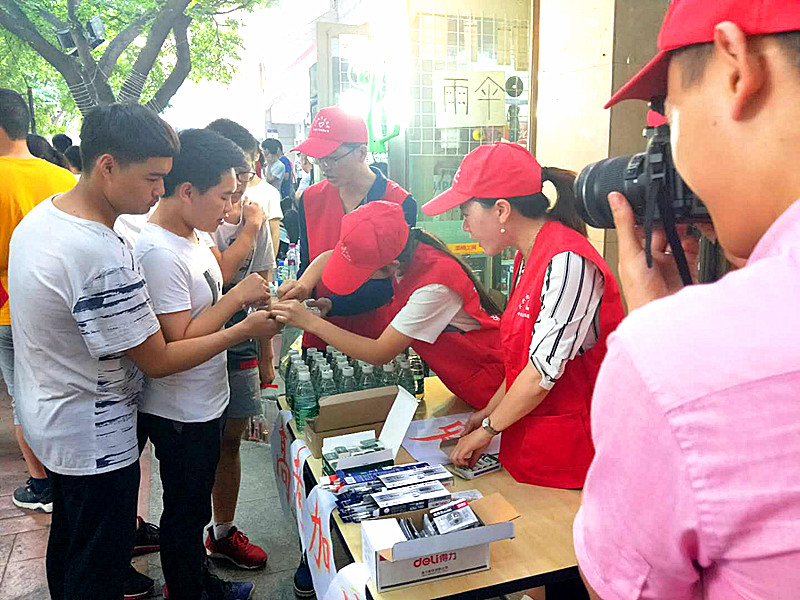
x=299 y=489
x=322 y=555
x=282 y=466
x=453 y=430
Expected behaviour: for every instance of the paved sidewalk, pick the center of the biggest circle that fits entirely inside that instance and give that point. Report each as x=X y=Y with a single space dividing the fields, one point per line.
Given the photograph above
x=23 y=534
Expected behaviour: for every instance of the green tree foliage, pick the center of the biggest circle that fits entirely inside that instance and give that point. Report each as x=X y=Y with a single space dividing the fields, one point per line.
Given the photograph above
x=150 y=48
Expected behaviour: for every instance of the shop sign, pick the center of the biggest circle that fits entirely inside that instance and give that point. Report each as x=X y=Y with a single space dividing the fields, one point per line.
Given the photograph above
x=466 y=248
x=469 y=99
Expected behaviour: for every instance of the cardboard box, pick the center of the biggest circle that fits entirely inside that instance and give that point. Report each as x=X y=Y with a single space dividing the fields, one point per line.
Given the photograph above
x=354 y=412
x=399 y=417
x=395 y=562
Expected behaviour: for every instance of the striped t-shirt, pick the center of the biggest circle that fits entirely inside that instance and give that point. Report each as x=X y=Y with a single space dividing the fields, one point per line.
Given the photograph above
x=79 y=303
x=568 y=324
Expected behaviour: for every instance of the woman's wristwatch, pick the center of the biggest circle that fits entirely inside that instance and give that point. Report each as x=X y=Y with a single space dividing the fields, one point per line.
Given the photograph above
x=488 y=427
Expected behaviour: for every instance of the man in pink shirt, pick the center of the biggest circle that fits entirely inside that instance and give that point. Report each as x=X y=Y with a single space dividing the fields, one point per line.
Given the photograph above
x=695 y=488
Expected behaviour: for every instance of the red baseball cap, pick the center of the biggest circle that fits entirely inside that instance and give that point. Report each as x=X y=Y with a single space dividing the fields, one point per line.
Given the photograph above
x=372 y=236
x=500 y=170
x=692 y=22
x=331 y=128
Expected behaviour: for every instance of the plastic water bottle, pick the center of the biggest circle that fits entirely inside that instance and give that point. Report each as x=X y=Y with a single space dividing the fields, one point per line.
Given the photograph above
x=291 y=378
x=418 y=371
x=348 y=381
x=289 y=356
x=341 y=363
x=405 y=379
x=388 y=376
x=327 y=387
x=311 y=354
x=280 y=272
x=367 y=381
x=292 y=261
x=305 y=400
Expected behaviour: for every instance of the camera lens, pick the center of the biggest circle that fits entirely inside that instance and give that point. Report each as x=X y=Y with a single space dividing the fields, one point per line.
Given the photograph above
x=598 y=180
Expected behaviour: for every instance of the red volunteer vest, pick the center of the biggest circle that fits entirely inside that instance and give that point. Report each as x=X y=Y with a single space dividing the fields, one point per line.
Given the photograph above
x=552 y=445
x=324 y=213
x=469 y=363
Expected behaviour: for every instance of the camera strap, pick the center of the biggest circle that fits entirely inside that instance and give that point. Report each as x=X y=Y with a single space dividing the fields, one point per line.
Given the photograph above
x=671 y=230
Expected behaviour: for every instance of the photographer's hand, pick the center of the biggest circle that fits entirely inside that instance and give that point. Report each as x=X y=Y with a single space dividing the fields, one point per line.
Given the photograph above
x=641 y=284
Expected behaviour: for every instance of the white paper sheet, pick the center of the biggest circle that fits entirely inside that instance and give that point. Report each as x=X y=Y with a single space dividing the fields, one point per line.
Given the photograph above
x=281 y=458
x=299 y=453
x=350 y=583
x=317 y=532
x=423 y=438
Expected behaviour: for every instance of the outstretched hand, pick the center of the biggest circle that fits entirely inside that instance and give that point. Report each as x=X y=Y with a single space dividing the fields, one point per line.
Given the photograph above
x=640 y=283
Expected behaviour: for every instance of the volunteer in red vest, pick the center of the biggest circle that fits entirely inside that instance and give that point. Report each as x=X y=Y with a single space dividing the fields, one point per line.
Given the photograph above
x=563 y=304
x=440 y=308
x=337 y=142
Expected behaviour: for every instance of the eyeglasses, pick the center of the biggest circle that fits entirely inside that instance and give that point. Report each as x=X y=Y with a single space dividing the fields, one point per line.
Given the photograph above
x=329 y=161
x=245 y=176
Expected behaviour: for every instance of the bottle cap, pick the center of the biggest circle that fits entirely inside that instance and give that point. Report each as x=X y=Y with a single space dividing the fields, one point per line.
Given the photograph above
x=305 y=376
x=327 y=374
x=388 y=368
x=367 y=368
x=329 y=349
x=347 y=371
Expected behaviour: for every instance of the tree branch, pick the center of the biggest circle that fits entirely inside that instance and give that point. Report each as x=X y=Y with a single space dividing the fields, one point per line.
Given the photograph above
x=17 y=22
x=96 y=81
x=134 y=83
x=53 y=20
x=183 y=66
x=121 y=42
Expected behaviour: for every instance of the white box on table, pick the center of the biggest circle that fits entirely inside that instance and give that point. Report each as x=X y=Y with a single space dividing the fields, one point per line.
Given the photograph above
x=394 y=561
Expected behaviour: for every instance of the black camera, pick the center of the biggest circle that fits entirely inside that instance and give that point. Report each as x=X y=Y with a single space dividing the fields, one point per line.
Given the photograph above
x=648 y=180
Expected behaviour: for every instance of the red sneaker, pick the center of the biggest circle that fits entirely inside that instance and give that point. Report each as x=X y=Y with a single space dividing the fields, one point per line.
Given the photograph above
x=236 y=548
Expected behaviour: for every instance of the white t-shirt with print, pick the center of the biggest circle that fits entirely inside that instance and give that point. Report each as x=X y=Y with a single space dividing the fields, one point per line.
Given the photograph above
x=79 y=303
x=183 y=275
x=262 y=254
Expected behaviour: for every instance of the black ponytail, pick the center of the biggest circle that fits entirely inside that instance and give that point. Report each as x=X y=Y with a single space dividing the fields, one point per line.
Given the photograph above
x=537 y=206
x=420 y=236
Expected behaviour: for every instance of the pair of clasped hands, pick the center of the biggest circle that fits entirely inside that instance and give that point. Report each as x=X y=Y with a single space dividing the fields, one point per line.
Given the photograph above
x=267 y=316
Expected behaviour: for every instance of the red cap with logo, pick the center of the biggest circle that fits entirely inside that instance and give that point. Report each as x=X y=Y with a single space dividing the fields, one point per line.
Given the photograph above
x=692 y=22
x=372 y=236
x=331 y=128
x=500 y=170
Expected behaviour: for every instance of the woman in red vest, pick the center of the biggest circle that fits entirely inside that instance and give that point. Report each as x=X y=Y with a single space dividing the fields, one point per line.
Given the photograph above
x=563 y=304
x=439 y=307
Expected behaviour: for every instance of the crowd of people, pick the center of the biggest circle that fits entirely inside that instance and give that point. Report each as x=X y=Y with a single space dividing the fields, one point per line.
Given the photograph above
x=140 y=310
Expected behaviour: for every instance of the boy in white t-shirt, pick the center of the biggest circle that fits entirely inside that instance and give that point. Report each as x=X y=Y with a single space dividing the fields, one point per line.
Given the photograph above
x=82 y=324
x=243 y=246
x=184 y=415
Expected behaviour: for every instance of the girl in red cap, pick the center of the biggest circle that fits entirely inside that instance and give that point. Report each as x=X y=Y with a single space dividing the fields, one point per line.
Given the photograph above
x=440 y=309
x=563 y=304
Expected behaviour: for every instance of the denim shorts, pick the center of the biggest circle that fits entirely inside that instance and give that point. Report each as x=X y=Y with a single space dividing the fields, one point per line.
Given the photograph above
x=245 y=393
